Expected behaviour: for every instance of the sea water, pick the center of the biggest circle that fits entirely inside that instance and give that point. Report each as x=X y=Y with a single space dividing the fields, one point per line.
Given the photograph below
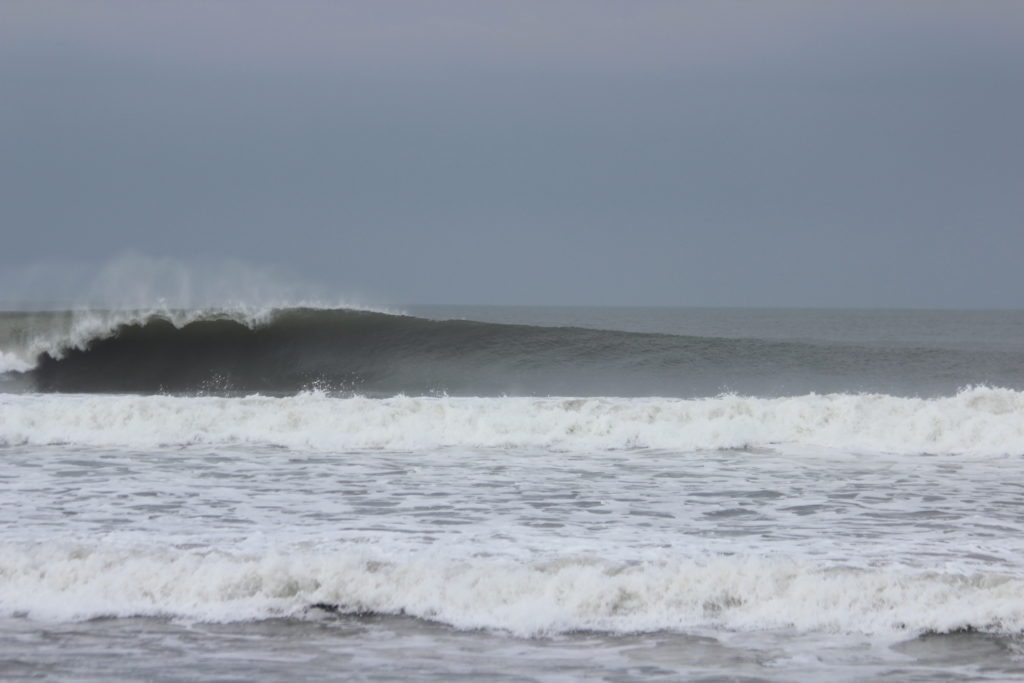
x=772 y=495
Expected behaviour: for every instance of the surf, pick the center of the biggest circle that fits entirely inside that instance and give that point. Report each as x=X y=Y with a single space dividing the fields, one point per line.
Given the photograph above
x=64 y=581
x=283 y=351
x=980 y=421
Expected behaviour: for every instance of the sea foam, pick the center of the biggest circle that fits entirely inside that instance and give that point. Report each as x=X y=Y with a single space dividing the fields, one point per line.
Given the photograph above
x=976 y=421
x=54 y=582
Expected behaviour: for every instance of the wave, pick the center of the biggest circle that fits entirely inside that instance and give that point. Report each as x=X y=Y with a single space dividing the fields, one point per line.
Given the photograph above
x=562 y=594
x=283 y=351
x=977 y=421
x=26 y=337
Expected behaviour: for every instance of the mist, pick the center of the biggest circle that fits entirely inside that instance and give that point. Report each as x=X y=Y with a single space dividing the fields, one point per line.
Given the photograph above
x=138 y=282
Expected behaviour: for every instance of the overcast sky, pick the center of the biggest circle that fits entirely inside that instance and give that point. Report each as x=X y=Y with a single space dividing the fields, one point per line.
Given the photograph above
x=525 y=152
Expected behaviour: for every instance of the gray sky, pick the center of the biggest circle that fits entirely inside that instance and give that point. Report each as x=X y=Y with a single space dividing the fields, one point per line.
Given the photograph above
x=565 y=152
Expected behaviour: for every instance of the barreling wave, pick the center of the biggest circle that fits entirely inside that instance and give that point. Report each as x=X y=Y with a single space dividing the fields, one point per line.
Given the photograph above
x=977 y=421
x=28 y=336
x=527 y=598
x=284 y=351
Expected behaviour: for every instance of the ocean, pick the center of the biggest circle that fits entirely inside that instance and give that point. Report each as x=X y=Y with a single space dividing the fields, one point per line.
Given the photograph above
x=512 y=494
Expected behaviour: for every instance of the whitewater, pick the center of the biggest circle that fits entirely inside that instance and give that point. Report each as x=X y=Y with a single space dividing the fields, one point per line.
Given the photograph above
x=511 y=493
x=975 y=421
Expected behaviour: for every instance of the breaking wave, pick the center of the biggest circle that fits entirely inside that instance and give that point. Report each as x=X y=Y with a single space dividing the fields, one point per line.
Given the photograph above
x=736 y=592
x=978 y=421
x=284 y=351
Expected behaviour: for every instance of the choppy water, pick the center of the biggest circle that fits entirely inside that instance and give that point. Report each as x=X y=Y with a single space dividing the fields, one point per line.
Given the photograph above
x=326 y=533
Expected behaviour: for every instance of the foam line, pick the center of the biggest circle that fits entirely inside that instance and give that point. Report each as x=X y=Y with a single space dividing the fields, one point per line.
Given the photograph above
x=978 y=421
x=562 y=595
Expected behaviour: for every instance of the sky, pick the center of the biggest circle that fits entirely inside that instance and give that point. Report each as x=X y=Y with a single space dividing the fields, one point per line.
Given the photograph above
x=564 y=152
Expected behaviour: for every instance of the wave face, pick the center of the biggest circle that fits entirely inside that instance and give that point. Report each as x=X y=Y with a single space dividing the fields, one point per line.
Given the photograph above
x=568 y=594
x=978 y=421
x=371 y=353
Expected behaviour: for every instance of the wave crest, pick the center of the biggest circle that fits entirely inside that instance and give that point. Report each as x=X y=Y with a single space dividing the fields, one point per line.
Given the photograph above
x=35 y=337
x=283 y=351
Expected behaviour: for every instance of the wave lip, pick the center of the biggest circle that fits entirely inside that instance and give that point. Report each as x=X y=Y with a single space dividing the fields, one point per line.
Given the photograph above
x=978 y=421
x=528 y=599
x=41 y=335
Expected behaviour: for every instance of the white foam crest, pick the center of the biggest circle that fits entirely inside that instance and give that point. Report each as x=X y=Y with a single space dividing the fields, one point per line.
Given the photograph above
x=51 y=582
x=978 y=421
x=134 y=288
x=59 y=333
x=76 y=329
x=16 y=360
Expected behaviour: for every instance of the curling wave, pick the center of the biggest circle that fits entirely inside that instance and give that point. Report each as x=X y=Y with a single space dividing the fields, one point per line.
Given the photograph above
x=284 y=351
